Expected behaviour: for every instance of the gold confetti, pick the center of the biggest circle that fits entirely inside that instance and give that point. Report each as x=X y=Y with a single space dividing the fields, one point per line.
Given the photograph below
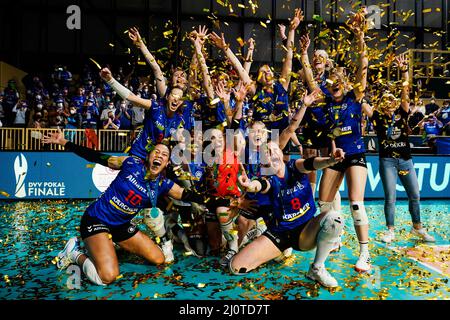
x=201 y=285
x=428 y=10
x=167 y=33
x=263 y=24
x=120 y=276
x=4 y=193
x=96 y=63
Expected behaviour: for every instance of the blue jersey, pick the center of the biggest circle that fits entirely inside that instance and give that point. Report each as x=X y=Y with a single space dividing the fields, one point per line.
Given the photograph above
x=211 y=115
x=128 y=194
x=272 y=107
x=293 y=200
x=444 y=116
x=157 y=127
x=344 y=121
x=432 y=128
x=78 y=101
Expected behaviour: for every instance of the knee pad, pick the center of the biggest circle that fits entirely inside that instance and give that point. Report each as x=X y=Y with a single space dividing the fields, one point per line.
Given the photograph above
x=359 y=213
x=155 y=224
x=240 y=272
x=331 y=226
x=91 y=273
x=325 y=206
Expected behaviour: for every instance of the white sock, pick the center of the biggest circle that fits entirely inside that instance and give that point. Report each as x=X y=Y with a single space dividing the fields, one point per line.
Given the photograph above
x=91 y=272
x=230 y=234
x=364 y=247
x=74 y=255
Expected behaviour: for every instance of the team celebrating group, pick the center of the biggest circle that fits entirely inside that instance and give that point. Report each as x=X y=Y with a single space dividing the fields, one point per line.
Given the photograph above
x=211 y=167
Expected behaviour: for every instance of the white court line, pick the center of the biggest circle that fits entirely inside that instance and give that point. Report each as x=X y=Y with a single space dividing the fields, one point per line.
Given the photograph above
x=418 y=261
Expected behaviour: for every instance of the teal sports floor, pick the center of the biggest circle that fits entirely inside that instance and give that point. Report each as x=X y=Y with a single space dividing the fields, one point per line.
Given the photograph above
x=32 y=233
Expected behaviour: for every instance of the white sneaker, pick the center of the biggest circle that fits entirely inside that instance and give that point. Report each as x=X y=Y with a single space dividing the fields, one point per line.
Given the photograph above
x=64 y=257
x=322 y=276
x=167 y=249
x=422 y=233
x=388 y=236
x=285 y=254
x=249 y=236
x=363 y=263
x=225 y=260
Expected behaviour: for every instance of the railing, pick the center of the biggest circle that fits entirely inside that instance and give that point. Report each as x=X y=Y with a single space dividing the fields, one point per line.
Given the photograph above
x=29 y=139
x=18 y=139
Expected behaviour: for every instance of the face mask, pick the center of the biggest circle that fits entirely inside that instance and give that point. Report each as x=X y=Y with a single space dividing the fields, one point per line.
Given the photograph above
x=73 y=111
x=110 y=106
x=39 y=106
x=59 y=105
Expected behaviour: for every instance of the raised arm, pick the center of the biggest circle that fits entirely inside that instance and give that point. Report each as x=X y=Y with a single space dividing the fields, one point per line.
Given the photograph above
x=367 y=109
x=287 y=133
x=402 y=63
x=287 y=64
x=122 y=91
x=305 y=41
x=358 y=26
x=224 y=96
x=90 y=155
x=220 y=43
x=161 y=82
x=249 y=57
x=207 y=84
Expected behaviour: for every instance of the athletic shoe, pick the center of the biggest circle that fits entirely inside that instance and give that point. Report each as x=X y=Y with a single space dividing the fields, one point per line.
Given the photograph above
x=322 y=276
x=422 y=233
x=249 y=236
x=388 y=236
x=363 y=263
x=167 y=249
x=225 y=260
x=285 y=254
x=65 y=257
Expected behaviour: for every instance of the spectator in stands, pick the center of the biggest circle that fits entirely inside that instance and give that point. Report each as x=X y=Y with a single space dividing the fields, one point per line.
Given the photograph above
x=62 y=76
x=110 y=107
x=145 y=92
x=74 y=119
x=10 y=99
x=89 y=86
x=443 y=115
x=2 y=112
x=414 y=118
x=38 y=122
x=125 y=115
x=431 y=127
x=79 y=100
x=112 y=123
x=20 y=114
x=138 y=117
x=431 y=107
x=90 y=115
x=421 y=106
x=99 y=99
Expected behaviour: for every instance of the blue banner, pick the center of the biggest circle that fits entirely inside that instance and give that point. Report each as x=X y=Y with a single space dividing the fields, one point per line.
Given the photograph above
x=61 y=175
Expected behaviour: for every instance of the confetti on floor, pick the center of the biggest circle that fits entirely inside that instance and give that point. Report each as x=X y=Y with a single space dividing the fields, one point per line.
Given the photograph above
x=32 y=233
